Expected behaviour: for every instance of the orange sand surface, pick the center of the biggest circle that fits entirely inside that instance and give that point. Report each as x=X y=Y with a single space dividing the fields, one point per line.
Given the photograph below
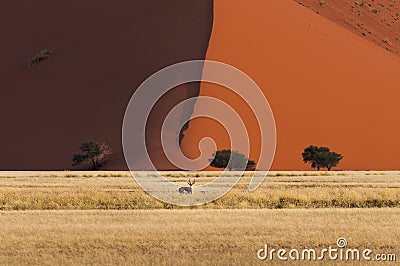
x=326 y=85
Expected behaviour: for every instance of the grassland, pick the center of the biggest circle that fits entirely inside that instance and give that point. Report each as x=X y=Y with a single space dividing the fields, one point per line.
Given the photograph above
x=69 y=218
x=188 y=237
x=117 y=190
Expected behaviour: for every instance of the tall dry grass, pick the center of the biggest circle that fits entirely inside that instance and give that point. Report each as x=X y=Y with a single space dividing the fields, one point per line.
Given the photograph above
x=189 y=237
x=117 y=190
x=92 y=218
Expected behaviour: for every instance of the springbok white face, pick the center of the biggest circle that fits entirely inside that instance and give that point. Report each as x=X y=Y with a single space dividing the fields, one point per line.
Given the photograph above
x=187 y=190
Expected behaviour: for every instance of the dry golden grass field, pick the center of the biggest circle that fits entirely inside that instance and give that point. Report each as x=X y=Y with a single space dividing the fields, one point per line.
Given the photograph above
x=118 y=190
x=71 y=218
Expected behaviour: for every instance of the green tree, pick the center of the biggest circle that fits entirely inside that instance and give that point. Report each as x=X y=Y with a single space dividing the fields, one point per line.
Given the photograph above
x=250 y=165
x=232 y=160
x=91 y=153
x=321 y=157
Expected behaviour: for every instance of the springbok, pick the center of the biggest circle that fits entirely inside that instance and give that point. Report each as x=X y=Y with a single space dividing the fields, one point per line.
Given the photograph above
x=187 y=190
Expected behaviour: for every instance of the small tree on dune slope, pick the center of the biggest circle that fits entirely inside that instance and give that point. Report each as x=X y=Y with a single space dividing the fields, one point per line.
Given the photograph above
x=321 y=157
x=91 y=153
x=232 y=160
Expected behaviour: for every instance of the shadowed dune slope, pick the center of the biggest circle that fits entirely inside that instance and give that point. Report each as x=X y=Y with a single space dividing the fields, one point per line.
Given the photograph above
x=102 y=51
x=326 y=85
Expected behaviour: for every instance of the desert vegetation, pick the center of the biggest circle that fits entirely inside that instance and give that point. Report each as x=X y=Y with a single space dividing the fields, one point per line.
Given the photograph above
x=92 y=153
x=187 y=237
x=321 y=157
x=233 y=160
x=117 y=190
x=40 y=56
x=101 y=217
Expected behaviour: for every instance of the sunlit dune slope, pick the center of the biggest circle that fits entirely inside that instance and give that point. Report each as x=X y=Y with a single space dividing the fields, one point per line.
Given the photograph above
x=326 y=85
x=375 y=20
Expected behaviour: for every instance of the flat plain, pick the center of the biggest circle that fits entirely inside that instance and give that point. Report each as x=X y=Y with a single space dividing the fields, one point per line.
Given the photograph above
x=118 y=190
x=106 y=218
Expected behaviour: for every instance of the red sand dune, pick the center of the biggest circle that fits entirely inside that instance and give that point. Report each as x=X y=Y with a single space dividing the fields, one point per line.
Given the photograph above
x=102 y=50
x=326 y=85
x=377 y=21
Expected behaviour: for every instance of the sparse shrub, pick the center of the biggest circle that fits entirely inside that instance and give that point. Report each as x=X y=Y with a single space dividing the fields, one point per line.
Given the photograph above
x=40 y=56
x=321 y=157
x=93 y=153
x=232 y=160
x=386 y=40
